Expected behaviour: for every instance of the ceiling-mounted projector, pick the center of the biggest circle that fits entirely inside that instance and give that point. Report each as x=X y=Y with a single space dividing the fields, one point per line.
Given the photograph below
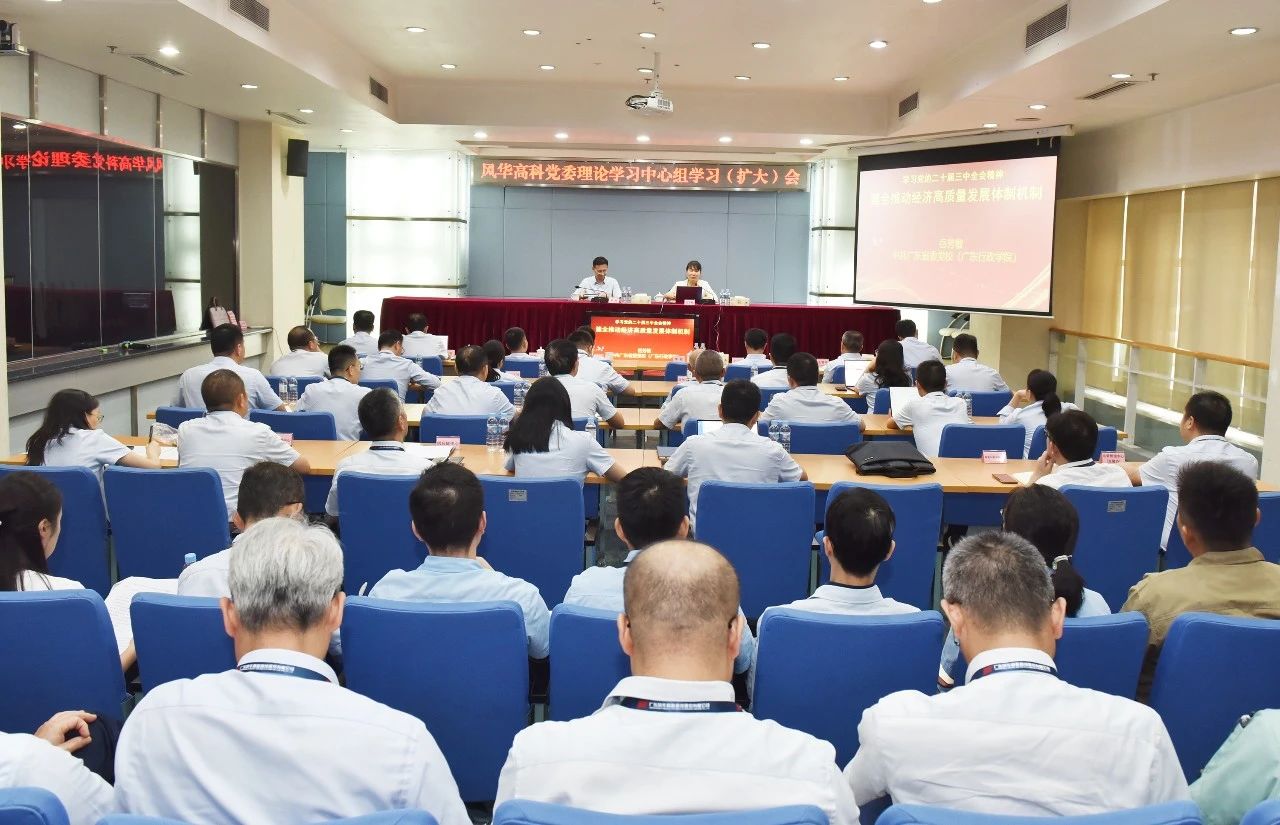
x=653 y=103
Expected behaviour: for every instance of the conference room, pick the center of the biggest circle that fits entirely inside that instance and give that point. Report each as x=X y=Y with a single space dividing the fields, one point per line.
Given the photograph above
x=540 y=332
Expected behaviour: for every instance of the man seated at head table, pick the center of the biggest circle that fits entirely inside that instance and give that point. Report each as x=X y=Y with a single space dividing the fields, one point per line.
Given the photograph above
x=805 y=402
x=340 y=395
x=699 y=401
x=227 y=343
x=471 y=393
x=304 y=358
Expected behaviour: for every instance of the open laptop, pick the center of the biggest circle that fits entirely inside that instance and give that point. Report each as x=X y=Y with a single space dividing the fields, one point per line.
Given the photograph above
x=688 y=293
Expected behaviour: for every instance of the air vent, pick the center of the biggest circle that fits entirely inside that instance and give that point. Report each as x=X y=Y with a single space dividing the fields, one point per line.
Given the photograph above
x=908 y=104
x=379 y=91
x=253 y=11
x=156 y=64
x=1110 y=90
x=296 y=121
x=1049 y=25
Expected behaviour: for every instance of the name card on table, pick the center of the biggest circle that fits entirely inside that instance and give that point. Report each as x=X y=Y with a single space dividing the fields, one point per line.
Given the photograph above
x=994 y=457
x=287 y=438
x=1111 y=457
x=684 y=379
x=448 y=441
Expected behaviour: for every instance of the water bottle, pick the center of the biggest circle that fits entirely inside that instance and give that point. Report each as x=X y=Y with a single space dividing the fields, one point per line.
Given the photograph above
x=725 y=296
x=593 y=424
x=784 y=436
x=293 y=391
x=504 y=427
x=755 y=370
x=284 y=390
x=491 y=439
x=520 y=390
x=188 y=560
x=968 y=403
x=542 y=369
x=775 y=431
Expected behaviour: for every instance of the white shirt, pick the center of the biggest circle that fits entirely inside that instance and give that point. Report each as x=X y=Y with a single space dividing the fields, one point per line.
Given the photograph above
x=364 y=343
x=230 y=445
x=1164 y=466
x=866 y=385
x=700 y=401
x=384 y=365
x=240 y=747
x=848 y=600
x=927 y=416
x=419 y=344
x=776 y=377
x=626 y=761
x=261 y=395
x=92 y=449
x=707 y=291
x=28 y=762
x=590 y=287
x=571 y=453
x=339 y=397
x=968 y=375
x=208 y=577
x=808 y=405
x=915 y=352
x=586 y=397
x=1087 y=473
x=758 y=358
x=30 y=580
x=843 y=358
x=384 y=458
x=302 y=362
x=1016 y=743
x=470 y=396
x=599 y=371
x=1032 y=417
x=731 y=453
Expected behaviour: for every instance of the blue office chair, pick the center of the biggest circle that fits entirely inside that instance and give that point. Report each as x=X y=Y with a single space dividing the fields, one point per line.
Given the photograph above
x=743 y=371
x=1212 y=670
x=178 y=637
x=1267 y=813
x=408 y=816
x=465 y=675
x=374 y=521
x=1266 y=536
x=878 y=655
x=433 y=364
x=1103 y=653
x=81 y=553
x=1108 y=441
x=674 y=370
x=472 y=429
x=1119 y=539
x=766 y=532
x=142 y=503
x=526 y=368
x=767 y=394
x=879 y=401
x=1170 y=813
x=586 y=660
x=507 y=388
x=969 y=440
x=304 y=426
x=63 y=644
x=304 y=381
x=821 y=439
x=174 y=416
x=381 y=384
x=535 y=530
x=521 y=812
x=31 y=806
x=985 y=403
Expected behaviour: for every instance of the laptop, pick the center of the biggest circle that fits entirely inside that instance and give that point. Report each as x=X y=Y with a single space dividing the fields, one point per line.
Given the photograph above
x=688 y=293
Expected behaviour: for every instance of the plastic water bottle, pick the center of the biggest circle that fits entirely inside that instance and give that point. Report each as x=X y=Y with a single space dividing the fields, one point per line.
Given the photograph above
x=293 y=391
x=724 y=297
x=784 y=436
x=968 y=403
x=755 y=370
x=491 y=438
x=542 y=369
x=504 y=427
x=520 y=390
x=284 y=390
x=775 y=432
x=188 y=560
x=593 y=425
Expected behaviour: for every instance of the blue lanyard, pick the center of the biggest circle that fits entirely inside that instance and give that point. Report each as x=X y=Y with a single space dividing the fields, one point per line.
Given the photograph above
x=282 y=670
x=1013 y=667
x=659 y=706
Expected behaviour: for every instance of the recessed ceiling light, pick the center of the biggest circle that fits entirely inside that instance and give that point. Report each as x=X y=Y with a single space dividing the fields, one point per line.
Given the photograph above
x=990 y=125
x=643 y=70
x=642 y=138
x=931 y=2
x=547 y=67
x=726 y=139
x=879 y=44
x=840 y=78
x=1120 y=75
x=648 y=35
x=19 y=126
x=1038 y=106
x=248 y=86
x=448 y=65
x=806 y=141
x=742 y=77
x=346 y=131
x=562 y=135
x=532 y=32
x=1241 y=31
x=414 y=29
x=169 y=50
x=480 y=135
x=759 y=45
x=307 y=111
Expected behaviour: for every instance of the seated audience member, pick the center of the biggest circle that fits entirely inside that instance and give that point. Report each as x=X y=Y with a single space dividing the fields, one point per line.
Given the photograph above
x=471 y=394
x=1015 y=740
x=389 y=363
x=304 y=358
x=1034 y=406
x=585 y=397
x=226 y=440
x=672 y=730
x=542 y=442
x=419 y=343
x=227 y=343
x=886 y=370
x=965 y=374
x=266 y=491
x=44 y=761
x=850 y=350
x=700 y=401
x=1217 y=511
x=914 y=351
x=651 y=508
x=71 y=436
x=30 y=523
x=384 y=421
x=361 y=339
x=496 y=355
x=734 y=452
x=595 y=370
x=781 y=347
x=517 y=344
x=447 y=507
x=754 y=342
x=932 y=411
x=804 y=402
x=1204 y=425
x=340 y=395
x=1244 y=773
x=1071 y=438
x=277 y=739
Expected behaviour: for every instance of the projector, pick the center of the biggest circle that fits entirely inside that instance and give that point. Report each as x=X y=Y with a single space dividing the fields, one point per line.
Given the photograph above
x=10 y=43
x=651 y=104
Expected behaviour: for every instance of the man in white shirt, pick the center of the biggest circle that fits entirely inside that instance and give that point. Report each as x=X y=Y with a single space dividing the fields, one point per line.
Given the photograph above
x=226 y=440
x=384 y=420
x=754 y=342
x=700 y=401
x=734 y=452
x=471 y=394
x=598 y=284
x=44 y=761
x=1015 y=740
x=596 y=370
x=804 y=402
x=781 y=347
x=934 y=410
x=419 y=343
x=340 y=395
x=1071 y=438
x=914 y=351
x=304 y=358
x=361 y=339
x=277 y=739
x=517 y=344
x=389 y=363
x=670 y=738
x=966 y=374
x=447 y=507
x=850 y=352
x=585 y=397
x=227 y=343
x=693 y=277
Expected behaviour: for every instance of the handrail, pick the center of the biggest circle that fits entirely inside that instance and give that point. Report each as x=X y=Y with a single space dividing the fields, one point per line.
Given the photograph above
x=1223 y=359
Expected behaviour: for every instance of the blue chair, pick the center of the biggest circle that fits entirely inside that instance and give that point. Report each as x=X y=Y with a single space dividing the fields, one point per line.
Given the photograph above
x=767 y=394
x=178 y=637
x=1108 y=441
x=527 y=368
x=508 y=388
x=465 y=675
x=408 y=816
x=472 y=429
x=173 y=416
x=1267 y=813
x=535 y=530
x=374 y=521
x=1103 y=653
x=674 y=370
x=81 y=553
x=877 y=655
x=304 y=426
x=433 y=364
x=822 y=439
x=381 y=384
x=737 y=371
x=141 y=502
x=985 y=403
x=969 y=440
x=879 y=402
x=766 y=531
x=586 y=660
x=1266 y=536
x=521 y=812
x=304 y=381
x=1119 y=538
x=1170 y=813
x=1212 y=670
x=68 y=655
x=31 y=806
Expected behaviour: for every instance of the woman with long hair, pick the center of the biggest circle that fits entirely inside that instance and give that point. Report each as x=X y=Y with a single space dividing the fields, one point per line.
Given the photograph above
x=888 y=369
x=30 y=523
x=543 y=443
x=497 y=356
x=71 y=436
x=1032 y=406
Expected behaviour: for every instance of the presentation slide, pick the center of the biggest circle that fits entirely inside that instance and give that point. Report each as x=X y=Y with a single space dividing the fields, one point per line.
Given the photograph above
x=974 y=235
x=659 y=337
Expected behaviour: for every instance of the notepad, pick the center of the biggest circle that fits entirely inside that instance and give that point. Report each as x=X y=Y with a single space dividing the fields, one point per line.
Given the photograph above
x=1022 y=478
x=900 y=397
x=853 y=371
x=121 y=596
x=166 y=453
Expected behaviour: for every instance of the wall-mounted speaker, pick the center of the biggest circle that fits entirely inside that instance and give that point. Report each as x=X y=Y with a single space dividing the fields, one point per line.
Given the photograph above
x=296 y=165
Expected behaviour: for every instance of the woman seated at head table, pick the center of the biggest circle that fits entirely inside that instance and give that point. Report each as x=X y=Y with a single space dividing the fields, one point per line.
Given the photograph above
x=542 y=442
x=71 y=436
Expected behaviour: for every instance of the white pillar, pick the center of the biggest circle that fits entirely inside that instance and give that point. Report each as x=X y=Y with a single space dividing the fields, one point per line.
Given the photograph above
x=833 y=202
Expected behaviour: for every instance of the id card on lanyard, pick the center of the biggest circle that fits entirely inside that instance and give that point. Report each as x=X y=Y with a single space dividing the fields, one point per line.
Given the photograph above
x=1013 y=667
x=662 y=706
x=282 y=670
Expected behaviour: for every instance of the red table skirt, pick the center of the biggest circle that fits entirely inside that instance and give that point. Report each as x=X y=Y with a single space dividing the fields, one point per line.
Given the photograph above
x=476 y=320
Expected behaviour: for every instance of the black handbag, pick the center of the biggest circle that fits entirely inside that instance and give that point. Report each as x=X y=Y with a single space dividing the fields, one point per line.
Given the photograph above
x=894 y=459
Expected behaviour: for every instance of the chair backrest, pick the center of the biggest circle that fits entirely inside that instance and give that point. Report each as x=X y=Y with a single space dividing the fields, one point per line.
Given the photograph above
x=535 y=531
x=522 y=812
x=736 y=371
x=674 y=370
x=809 y=438
x=173 y=416
x=1170 y=813
x=766 y=531
x=465 y=675
x=1212 y=670
x=984 y=403
x=969 y=440
x=143 y=503
x=878 y=655
x=1039 y=443
x=917 y=510
x=304 y=381
x=767 y=395
x=31 y=806
x=1108 y=440
x=526 y=367
x=1103 y=653
x=1119 y=538
x=381 y=384
x=332 y=297
x=63 y=655
x=308 y=426
x=377 y=536
x=433 y=364
x=178 y=637
x=1267 y=813
x=472 y=429
x=81 y=553
x=507 y=388
x=586 y=660
x=1266 y=536
x=408 y=816
x=880 y=401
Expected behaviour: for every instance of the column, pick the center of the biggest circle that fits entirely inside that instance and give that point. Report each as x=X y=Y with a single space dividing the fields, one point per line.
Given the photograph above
x=832 y=234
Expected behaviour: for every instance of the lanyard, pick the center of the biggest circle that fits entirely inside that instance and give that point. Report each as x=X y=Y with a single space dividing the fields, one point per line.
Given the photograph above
x=660 y=706
x=282 y=670
x=387 y=448
x=1013 y=667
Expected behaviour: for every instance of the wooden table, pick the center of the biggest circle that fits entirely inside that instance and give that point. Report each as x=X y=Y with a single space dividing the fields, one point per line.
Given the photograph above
x=661 y=389
x=322 y=455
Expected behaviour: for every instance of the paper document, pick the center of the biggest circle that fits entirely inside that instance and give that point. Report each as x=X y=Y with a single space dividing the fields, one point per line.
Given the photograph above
x=1023 y=478
x=853 y=371
x=900 y=397
x=166 y=453
x=434 y=453
x=121 y=596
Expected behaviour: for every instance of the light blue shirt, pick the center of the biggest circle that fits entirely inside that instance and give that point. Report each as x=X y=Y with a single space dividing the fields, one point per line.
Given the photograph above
x=571 y=453
x=340 y=398
x=808 y=405
x=586 y=397
x=454 y=579
x=731 y=453
x=364 y=343
x=967 y=375
x=601 y=372
x=1031 y=416
x=470 y=396
x=700 y=401
x=384 y=364
x=915 y=352
x=261 y=395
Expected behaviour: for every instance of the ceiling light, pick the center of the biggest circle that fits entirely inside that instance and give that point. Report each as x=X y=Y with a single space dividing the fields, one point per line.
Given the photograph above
x=990 y=125
x=448 y=65
x=480 y=134
x=806 y=141
x=307 y=111
x=643 y=70
x=648 y=35
x=726 y=139
x=1120 y=75
x=248 y=86
x=1241 y=31
x=759 y=45
x=1038 y=106
x=414 y=29
x=19 y=126
x=547 y=67
x=169 y=50
x=532 y=32
x=879 y=44
x=742 y=77
x=642 y=138
x=931 y=2
x=562 y=135
x=346 y=131
x=840 y=78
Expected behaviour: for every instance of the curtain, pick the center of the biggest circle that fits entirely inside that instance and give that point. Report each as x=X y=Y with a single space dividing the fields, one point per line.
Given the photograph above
x=1103 y=258
x=1151 y=272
